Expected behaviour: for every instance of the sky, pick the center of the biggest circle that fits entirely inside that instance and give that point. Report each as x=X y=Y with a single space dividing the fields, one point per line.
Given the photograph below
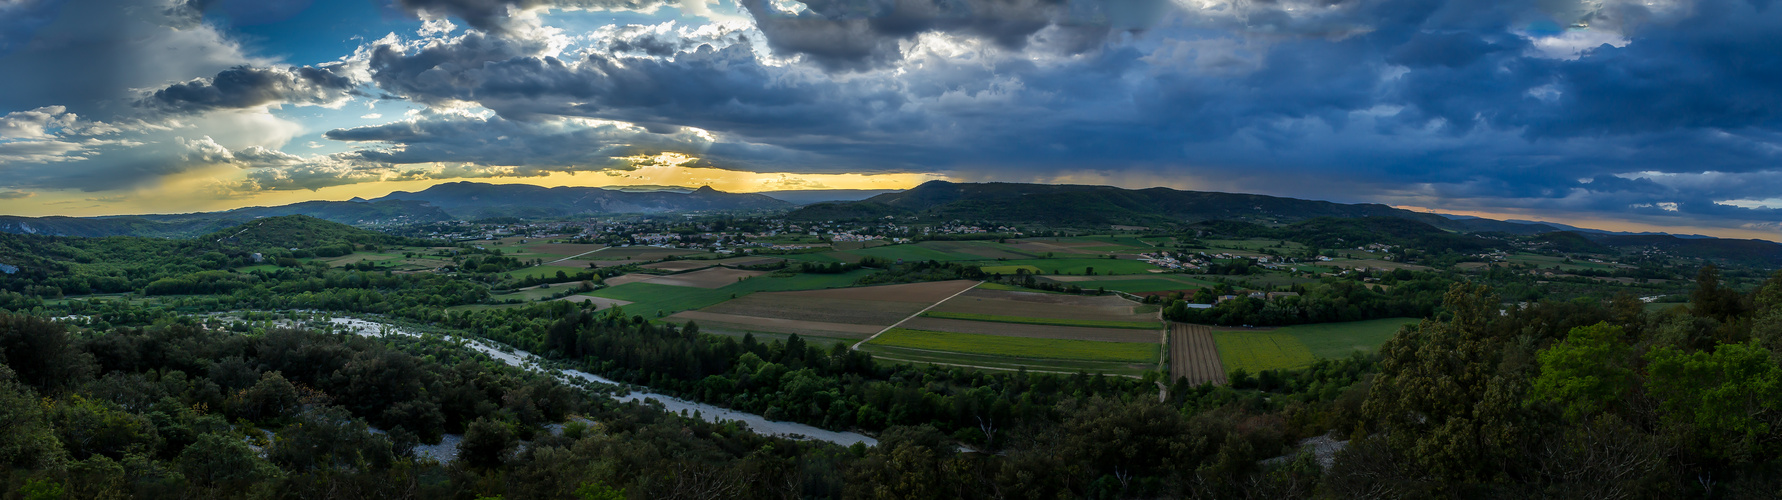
x=1617 y=114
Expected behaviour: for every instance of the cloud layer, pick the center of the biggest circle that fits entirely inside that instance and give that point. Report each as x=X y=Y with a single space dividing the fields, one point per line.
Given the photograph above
x=1667 y=110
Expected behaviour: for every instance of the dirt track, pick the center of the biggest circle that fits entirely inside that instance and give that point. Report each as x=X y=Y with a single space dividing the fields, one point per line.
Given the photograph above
x=1193 y=355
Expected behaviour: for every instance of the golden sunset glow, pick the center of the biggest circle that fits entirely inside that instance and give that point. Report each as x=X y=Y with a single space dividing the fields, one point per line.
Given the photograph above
x=1605 y=224
x=208 y=189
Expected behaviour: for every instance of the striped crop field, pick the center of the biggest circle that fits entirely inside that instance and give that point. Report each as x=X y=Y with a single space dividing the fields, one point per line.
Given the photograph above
x=1257 y=351
x=1091 y=350
x=1092 y=323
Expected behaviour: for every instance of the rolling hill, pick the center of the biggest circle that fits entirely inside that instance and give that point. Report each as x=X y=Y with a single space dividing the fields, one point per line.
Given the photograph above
x=1094 y=205
x=472 y=200
x=193 y=224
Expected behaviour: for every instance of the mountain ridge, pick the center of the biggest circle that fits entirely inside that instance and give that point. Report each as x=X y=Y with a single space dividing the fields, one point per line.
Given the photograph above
x=479 y=200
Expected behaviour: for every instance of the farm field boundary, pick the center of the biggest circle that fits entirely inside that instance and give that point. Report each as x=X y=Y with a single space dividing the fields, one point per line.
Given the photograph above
x=1089 y=323
x=1033 y=331
x=1002 y=363
x=1088 y=350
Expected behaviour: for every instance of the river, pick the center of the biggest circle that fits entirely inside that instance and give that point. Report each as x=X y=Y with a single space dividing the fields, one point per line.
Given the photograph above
x=673 y=404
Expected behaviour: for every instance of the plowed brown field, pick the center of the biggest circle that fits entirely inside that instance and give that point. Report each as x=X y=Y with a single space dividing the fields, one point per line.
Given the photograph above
x=1041 y=305
x=924 y=293
x=1192 y=354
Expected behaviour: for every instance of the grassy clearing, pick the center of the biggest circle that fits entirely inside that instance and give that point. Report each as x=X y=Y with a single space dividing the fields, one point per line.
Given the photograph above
x=996 y=363
x=1092 y=323
x=1257 y=351
x=1663 y=306
x=648 y=298
x=1089 y=350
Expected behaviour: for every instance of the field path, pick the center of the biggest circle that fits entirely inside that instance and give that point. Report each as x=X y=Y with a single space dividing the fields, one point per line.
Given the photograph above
x=856 y=345
x=1192 y=354
x=574 y=256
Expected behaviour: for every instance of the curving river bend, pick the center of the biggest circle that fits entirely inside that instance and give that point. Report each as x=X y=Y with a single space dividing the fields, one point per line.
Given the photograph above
x=704 y=411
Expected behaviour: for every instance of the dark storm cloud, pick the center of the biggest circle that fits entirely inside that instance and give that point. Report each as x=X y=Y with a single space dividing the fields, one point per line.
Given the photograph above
x=1716 y=69
x=853 y=35
x=95 y=65
x=705 y=87
x=246 y=87
x=20 y=20
x=565 y=144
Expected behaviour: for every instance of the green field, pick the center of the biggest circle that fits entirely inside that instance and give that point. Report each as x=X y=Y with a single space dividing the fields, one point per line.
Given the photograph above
x=1078 y=266
x=980 y=249
x=912 y=253
x=545 y=271
x=648 y=298
x=1135 y=286
x=1547 y=262
x=890 y=354
x=1663 y=306
x=535 y=293
x=1013 y=288
x=1087 y=350
x=1297 y=346
x=1092 y=323
x=1257 y=351
x=1009 y=269
x=818 y=257
x=1254 y=245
